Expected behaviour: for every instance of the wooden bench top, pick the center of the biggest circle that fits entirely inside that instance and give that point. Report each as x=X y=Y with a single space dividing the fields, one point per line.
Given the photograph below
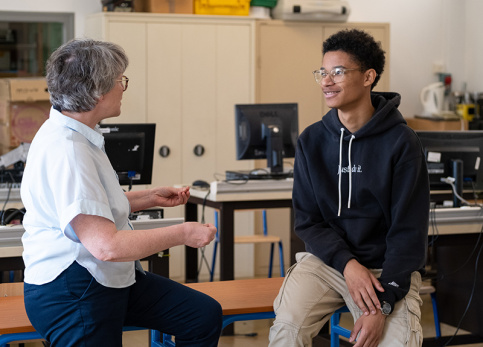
x=13 y=318
x=235 y=297
x=242 y=296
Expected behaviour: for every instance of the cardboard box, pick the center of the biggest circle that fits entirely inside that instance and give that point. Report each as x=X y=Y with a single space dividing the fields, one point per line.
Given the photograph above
x=166 y=6
x=436 y=125
x=24 y=107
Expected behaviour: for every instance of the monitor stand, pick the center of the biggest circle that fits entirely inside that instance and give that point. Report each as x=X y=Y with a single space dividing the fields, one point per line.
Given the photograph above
x=258 y=174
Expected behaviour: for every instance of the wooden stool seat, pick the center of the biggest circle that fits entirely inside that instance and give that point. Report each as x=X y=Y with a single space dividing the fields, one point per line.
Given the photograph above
x=242 y=296
x=14 y=317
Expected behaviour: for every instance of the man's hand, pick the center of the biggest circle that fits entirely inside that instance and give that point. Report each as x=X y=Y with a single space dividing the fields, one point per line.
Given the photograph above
x=370 y=329
x=170 y=196
x=361 y=283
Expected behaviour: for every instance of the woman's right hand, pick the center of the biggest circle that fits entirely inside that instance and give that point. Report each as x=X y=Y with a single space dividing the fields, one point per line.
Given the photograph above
x=199 y=235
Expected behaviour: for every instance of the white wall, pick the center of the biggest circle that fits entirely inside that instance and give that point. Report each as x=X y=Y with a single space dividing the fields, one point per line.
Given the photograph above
x=422 y=32
x=80 y=7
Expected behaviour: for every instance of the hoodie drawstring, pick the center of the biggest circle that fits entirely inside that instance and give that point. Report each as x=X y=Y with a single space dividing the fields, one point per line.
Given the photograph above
x=350 y=172
x=340 y=170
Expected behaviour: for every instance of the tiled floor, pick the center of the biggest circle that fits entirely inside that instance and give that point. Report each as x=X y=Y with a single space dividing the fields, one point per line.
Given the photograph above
x=244 y=331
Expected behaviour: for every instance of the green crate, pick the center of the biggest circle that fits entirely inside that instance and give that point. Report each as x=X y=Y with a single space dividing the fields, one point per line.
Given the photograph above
x=264 y=3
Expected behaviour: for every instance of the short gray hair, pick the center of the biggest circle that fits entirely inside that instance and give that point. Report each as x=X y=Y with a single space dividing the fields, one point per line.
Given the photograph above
x=82 y=70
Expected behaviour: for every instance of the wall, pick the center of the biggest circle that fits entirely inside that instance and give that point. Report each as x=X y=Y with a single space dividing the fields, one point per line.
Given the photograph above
x=422 y=33
x=80 y=7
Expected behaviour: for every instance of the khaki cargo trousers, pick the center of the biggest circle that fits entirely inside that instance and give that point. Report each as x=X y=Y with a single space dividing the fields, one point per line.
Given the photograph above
x=312 y=291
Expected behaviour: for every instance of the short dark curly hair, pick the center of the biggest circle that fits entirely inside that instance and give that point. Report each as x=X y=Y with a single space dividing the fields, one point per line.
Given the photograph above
x=361 y=47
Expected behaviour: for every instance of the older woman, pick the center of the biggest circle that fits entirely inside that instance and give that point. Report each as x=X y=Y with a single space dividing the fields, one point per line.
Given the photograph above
x=81 y=282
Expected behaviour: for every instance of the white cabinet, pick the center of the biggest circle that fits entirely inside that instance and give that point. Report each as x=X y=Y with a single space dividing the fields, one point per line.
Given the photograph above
x=186 y=74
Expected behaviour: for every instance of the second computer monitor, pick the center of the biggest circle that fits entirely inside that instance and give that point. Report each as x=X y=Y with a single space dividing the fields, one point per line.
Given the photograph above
x=266 y=131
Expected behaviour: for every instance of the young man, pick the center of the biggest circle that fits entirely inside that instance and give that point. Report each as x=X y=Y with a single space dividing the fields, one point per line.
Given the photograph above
x=361 y=200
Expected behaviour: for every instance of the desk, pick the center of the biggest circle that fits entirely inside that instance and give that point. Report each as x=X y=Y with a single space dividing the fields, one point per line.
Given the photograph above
x=11 y=246
x=457 y=240
x=227 y=204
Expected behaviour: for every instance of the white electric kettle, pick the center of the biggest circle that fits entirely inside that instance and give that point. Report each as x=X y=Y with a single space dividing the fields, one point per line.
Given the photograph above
x=432 y=98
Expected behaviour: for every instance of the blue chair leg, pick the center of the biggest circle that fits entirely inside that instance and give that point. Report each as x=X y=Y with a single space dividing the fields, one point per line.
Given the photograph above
x=161 y=340
x=270 y=265
x=280 y=253
x=335 y=329
x=437 y=324
x=215 y=248
x=213 y=261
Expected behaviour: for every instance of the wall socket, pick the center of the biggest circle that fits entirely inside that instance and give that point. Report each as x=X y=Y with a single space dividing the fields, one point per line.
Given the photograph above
x=438 y=67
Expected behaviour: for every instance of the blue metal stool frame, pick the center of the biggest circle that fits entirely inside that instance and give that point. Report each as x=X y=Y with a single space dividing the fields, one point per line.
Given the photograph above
x=33 y=335
x=265 y=233
x=336 y=330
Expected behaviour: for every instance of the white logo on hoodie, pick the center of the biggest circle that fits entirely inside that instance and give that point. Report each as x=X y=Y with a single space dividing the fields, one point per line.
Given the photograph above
x=346 y=169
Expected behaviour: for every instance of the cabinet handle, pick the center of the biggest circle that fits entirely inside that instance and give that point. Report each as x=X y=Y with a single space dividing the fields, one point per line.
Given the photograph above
x=199 y=150
x=164 y=151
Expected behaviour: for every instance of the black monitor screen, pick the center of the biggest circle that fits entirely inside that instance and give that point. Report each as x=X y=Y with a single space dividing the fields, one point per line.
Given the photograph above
x=130 y=149
x=443 y=148
x=266 y=131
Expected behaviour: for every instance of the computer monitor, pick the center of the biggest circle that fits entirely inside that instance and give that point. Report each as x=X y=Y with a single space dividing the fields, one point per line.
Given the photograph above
x=130 y=149
x=266 y=131
x=454 y=154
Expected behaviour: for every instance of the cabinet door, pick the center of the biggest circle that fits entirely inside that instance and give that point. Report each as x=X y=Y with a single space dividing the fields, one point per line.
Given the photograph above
x=197 y=73
x=198 y=109
x=234 y=85
x=134 y=99
x=287 y=53
x=164 y=99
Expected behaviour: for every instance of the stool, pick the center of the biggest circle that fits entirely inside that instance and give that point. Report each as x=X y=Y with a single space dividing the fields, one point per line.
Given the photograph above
x=432 y=292
x=336 y=330
x=265 y=238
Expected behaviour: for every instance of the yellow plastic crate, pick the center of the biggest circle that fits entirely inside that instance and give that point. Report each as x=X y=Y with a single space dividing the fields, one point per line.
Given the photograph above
x=222 y=7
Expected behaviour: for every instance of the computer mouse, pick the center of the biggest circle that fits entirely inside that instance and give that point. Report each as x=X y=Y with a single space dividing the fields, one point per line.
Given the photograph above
x=200 y=184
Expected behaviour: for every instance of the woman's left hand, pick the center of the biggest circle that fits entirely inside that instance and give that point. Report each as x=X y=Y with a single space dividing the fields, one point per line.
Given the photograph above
x=170 y=196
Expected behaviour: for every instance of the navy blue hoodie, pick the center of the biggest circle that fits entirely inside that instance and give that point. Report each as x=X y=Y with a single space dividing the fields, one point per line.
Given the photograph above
x=376 y=208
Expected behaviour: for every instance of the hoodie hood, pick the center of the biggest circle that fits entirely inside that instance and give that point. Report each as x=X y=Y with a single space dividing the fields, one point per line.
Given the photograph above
x=386 y=115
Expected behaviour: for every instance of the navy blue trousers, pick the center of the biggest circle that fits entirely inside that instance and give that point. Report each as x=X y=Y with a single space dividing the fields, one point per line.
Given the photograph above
x=75 y=310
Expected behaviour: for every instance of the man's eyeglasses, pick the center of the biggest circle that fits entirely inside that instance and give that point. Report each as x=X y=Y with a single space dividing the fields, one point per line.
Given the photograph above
x=124 y=82
x=336 y=75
